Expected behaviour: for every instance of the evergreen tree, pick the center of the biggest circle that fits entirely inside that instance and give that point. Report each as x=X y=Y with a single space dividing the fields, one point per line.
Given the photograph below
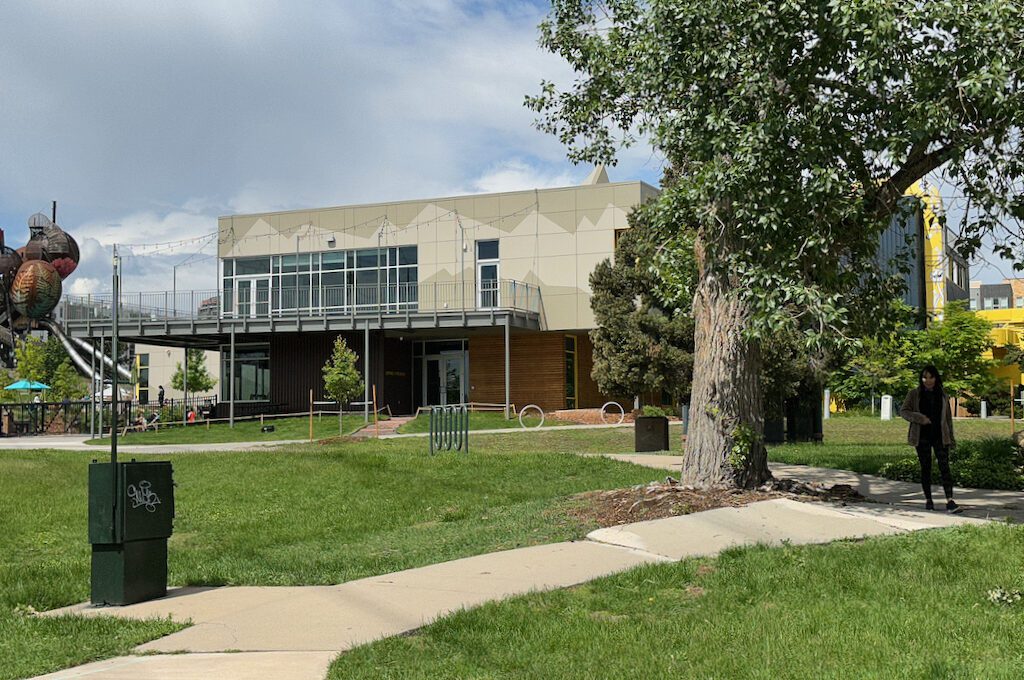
x=642 y=346
x=342 y=381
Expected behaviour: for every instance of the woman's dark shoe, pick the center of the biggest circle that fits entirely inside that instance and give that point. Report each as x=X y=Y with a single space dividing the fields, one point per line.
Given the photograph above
x=952 y=508
x=928 y=505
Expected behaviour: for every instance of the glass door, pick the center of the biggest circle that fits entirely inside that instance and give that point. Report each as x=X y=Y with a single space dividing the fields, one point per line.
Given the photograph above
x=445 y=379
x=487 y=276
x=252 y=297
x=453 y=377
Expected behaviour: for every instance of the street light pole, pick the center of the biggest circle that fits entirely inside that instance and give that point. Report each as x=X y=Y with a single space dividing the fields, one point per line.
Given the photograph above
x=114 y=362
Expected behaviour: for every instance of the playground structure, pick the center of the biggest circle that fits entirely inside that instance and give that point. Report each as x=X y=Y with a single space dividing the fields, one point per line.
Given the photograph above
x=31 y=284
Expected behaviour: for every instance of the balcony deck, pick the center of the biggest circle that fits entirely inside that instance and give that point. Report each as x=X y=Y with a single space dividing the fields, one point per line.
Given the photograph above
x=208 y=318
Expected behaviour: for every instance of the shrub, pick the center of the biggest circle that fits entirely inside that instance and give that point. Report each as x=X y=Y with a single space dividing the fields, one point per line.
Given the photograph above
x=653 y=412
x=903 y=470
x=989 y=463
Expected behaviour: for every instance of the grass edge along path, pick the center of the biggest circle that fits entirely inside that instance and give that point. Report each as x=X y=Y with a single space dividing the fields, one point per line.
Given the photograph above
x=246 y=431
x=907 y=606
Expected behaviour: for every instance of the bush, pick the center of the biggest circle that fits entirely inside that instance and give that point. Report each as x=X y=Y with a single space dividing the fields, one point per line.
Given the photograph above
x=653 y=412
x=989 y=463
x=903 y=470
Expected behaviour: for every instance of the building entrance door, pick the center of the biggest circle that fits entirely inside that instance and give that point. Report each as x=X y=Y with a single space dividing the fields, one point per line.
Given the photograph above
x=445 y=379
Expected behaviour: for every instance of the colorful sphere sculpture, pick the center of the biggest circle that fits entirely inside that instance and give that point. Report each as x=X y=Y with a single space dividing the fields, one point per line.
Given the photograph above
x=36 y=289
x=61 y=249
x=35 y=249
x=10 y=261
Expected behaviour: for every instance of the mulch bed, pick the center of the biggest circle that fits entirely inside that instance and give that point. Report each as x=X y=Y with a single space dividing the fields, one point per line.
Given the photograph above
x=670 y=498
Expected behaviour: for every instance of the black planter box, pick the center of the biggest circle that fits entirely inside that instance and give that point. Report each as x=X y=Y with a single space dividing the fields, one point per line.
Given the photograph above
x=651 y=433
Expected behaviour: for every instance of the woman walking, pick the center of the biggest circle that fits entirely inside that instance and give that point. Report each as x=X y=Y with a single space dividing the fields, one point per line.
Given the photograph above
x=931 y=428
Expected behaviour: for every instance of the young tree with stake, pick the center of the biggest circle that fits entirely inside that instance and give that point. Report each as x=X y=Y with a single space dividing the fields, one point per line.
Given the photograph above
x=342 y=381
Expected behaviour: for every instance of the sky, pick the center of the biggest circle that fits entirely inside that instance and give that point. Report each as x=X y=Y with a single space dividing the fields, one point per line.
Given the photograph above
x=147 y=120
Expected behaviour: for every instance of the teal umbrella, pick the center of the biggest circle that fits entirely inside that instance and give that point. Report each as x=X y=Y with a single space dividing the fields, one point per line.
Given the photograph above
x=27 y=385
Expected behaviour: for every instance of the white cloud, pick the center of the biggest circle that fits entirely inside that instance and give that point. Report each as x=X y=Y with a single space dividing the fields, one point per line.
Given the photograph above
x=83 y=286
x=517 y=175
x=147 y=121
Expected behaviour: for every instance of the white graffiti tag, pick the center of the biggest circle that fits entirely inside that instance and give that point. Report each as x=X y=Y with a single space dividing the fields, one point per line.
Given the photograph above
x=143 y=495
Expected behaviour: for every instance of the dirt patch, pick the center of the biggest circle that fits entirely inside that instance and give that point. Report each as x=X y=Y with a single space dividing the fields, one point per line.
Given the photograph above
x=670 y=498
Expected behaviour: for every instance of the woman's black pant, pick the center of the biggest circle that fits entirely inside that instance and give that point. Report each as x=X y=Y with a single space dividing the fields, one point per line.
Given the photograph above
x=924 y=455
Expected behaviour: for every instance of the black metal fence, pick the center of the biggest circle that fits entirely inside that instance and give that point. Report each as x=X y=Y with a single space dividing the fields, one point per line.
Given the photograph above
x=74 y=417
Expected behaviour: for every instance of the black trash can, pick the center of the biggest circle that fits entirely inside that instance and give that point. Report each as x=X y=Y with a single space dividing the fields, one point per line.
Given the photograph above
x=130 y=521
x=651 y=434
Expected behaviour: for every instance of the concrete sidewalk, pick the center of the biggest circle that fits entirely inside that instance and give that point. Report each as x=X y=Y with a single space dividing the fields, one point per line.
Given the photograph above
x=77 y=443
x=240 y=632
x=977 y=503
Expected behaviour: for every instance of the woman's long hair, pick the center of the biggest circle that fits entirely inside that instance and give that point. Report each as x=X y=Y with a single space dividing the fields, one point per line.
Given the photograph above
x=932 y=371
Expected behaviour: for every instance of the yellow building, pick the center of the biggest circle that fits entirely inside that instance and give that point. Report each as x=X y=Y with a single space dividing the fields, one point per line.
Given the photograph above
x=1002 y=304
x=935 y=273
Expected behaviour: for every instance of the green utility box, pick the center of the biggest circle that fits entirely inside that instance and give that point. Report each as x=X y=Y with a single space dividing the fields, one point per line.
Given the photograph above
x=130 y=521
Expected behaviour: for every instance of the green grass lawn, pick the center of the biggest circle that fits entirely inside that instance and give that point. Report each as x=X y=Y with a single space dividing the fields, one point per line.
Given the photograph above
x=911 y=606
x=309 y=514
x=243 y=431
x=863 y=444
x=480 y=420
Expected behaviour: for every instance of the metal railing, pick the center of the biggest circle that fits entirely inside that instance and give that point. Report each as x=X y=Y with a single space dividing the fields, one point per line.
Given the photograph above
x=252 y=300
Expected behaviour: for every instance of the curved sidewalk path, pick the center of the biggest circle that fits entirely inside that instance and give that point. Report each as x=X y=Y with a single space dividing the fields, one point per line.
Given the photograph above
x=293 y=633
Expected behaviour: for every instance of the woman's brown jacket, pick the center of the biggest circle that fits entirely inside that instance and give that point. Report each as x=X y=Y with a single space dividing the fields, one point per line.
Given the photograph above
x=911 y=411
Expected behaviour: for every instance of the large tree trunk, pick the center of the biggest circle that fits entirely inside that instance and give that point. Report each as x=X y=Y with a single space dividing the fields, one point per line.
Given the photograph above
x=725 y=443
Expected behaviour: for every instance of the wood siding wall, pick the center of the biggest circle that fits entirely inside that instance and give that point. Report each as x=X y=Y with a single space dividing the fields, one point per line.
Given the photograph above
x=537 y=369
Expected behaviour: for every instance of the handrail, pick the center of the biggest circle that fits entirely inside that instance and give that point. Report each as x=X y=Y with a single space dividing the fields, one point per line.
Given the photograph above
x=251 y=301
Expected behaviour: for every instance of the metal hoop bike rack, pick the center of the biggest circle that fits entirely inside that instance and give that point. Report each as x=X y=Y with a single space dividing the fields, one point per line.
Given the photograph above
x=622 y=412
x=536 y=408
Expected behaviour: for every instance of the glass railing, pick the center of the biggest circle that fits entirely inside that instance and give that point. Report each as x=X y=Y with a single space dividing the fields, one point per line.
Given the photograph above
x=251 y=301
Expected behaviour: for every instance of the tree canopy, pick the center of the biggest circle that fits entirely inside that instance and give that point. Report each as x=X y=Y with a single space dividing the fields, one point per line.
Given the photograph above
x=199 y=378
x=794 y=129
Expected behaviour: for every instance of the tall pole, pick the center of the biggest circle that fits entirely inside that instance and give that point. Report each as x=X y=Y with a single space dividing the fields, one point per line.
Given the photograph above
x=462 y=263
x=366 y=372
x=103 y=349
x=507 y=379
x=92 y=392
x=184 y=385
x=231 y=381
x=113 y=356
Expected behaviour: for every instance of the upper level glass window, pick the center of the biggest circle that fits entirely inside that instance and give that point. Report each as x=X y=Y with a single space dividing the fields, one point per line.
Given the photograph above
x=251 y=265
x=487 y=250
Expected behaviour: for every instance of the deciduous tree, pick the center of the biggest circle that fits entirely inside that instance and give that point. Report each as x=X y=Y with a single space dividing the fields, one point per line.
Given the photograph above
x=199 y=378
x=342 y=381
x=795 y=128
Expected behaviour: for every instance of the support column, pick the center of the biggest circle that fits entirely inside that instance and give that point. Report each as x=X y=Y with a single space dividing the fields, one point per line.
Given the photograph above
x=231 y=378
x=184 y=391
x=366 y=372
x=507 y=382
x=103 y=348
x=92 y=392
